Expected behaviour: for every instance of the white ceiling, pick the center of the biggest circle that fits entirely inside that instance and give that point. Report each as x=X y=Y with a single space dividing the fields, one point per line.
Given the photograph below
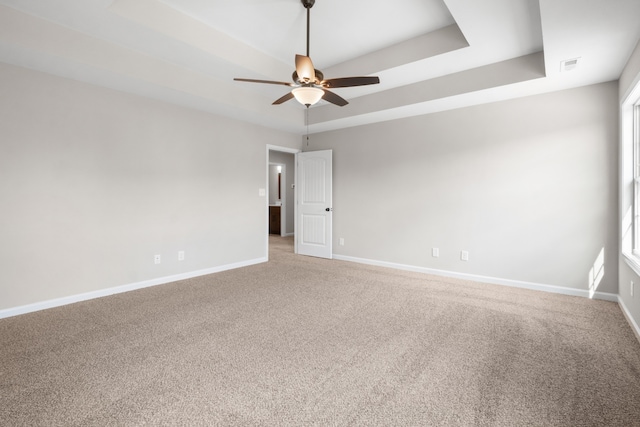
x=278 y=28
x=430 y=55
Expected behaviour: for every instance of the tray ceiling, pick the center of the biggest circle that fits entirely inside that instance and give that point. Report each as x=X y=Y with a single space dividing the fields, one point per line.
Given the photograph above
x=431 y=55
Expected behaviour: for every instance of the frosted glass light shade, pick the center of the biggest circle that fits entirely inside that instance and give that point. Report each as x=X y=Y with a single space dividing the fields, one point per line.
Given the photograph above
x=307 y=95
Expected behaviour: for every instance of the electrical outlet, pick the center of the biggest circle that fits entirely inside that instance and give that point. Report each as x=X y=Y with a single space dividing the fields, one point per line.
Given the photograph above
x=180 y=255
x=156 y=259
x=464 y=255
x=631 y=289
x=435 y=252
x=342 y=241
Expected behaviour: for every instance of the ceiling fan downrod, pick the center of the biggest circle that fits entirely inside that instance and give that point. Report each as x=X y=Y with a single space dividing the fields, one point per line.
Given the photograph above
x=308 y=4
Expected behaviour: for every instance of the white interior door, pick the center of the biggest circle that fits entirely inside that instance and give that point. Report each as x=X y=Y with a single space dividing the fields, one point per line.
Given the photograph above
x=314 y=203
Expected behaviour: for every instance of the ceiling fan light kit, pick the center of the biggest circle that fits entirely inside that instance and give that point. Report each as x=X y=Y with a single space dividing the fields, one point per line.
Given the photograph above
x=309 y=85
x=308 y=95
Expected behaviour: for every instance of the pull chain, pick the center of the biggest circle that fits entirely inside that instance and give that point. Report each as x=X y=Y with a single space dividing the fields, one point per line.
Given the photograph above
x=307 y=122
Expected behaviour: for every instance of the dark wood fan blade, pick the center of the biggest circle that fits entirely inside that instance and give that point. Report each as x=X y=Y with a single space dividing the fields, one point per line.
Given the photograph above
x=285 y=98
x=304 y=68
x=334 y=99
x=271 y=82
x=350 y=81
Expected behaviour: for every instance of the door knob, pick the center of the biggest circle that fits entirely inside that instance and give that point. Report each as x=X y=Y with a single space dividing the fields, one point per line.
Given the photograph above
x=328 y=209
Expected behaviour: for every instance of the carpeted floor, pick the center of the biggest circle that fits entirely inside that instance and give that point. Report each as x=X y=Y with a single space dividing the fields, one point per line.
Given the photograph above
x=301 y=341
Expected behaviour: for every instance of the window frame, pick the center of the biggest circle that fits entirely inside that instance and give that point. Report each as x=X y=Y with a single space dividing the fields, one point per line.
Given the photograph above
x=630 y=143
x=635 y=122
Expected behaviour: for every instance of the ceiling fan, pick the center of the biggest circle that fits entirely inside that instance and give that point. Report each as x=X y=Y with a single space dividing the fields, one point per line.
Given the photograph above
x=309 y=85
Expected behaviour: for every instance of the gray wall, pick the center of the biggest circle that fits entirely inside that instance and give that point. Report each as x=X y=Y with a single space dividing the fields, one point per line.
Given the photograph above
x=527 y=186
x=95 y=182
x=287 y=159
x=630 y=76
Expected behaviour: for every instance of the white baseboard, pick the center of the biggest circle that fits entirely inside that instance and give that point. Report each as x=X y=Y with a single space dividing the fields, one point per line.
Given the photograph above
x=15 y=311
x=485 y=279
x=630 y=319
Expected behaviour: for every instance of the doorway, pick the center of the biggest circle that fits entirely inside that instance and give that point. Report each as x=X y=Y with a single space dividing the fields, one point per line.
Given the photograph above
x=278 y=199
x=281 y=178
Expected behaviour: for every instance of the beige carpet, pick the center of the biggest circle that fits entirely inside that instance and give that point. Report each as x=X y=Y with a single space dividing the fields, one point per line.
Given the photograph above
x=301 y=341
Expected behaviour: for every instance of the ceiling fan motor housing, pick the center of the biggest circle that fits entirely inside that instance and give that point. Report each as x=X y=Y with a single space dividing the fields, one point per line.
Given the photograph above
x=319 y=77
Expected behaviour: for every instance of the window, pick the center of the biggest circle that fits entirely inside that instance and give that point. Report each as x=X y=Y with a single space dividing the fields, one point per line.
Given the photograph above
x=630 y=175
x=634 y=121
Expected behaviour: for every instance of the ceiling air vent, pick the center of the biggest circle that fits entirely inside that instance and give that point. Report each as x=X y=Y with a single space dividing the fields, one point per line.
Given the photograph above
x=569 y=64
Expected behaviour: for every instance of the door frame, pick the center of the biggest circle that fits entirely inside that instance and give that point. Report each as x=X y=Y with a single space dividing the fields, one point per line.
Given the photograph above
x=288 y=150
